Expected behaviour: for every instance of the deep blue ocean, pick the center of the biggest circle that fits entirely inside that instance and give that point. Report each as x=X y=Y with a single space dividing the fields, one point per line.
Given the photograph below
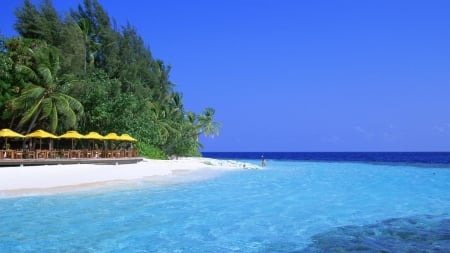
x=415 y=158
x=300 y=202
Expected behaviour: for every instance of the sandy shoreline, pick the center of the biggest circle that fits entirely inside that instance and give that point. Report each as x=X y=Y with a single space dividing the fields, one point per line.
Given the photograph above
x=48 y=179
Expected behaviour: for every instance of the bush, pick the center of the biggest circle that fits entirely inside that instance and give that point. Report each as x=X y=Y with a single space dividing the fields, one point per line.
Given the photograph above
x=151 y=152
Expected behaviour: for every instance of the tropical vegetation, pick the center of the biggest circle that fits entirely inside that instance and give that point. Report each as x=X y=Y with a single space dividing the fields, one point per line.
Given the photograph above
x=81 y=72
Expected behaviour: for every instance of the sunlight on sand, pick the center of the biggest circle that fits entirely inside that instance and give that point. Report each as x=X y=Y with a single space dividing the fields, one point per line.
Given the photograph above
x=52 y=179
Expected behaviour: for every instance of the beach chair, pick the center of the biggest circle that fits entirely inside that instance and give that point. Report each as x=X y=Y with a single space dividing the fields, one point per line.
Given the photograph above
x=86 y=153
x=42 y=153
x=108 y=154
x=29 y=154
x=18 y=154
x=97 y=153
x=52 y=154
x=65 y=154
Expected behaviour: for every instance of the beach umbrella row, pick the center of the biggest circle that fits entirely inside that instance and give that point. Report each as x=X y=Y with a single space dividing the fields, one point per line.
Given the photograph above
x=41 y=134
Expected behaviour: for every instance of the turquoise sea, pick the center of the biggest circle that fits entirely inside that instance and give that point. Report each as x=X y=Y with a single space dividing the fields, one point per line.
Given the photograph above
x=295 y=204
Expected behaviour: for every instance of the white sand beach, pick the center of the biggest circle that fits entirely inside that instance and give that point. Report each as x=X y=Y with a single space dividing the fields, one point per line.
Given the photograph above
x=47 y=179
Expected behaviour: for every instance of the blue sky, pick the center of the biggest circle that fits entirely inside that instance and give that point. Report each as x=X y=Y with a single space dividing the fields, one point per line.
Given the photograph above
x=302 y=75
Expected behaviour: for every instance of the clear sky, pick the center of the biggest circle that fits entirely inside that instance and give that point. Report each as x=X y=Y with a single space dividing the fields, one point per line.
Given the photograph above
x=307 y=75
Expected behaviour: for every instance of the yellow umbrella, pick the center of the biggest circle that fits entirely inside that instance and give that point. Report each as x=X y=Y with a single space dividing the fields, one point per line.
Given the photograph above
x=126 y=137
x=72 y=134
x=112 y=136
x=41 y=134
x=8 y=133
x=94 y=136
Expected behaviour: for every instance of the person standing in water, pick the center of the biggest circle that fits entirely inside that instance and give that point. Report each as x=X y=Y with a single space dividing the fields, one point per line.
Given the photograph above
x=263 y=161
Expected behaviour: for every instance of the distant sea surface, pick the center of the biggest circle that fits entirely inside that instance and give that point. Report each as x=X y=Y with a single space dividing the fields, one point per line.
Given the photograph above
x=416 y=158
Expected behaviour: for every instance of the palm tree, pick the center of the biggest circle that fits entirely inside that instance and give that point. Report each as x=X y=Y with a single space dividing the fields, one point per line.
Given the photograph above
x=42 y=101
x=191 y=128
x=205 y=124
x=162 y=122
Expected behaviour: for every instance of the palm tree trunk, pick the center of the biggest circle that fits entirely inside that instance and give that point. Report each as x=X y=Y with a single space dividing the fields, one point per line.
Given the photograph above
x=33 y=122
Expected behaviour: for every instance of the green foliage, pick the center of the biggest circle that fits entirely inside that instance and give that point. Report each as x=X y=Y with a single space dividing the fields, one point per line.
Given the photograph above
x=151 y=151
x=41 y=23
x=98 y=95
x=205 y=123
x=42 y=102
x=7 y=91
x=83 y=73
x=72 y=50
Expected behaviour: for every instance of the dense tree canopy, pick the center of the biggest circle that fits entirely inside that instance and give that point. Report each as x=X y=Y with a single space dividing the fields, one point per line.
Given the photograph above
x=81 y=72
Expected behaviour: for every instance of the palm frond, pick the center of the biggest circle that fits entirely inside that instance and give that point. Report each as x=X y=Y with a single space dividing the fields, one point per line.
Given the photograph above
x=74 y=104
x=54 y=120
x=29 y=114
x=71 y=119
x=27 y=72
x=61 y=104
x=30 y=94
x=64 y=109
x=46 y=75
x=33 y=92
x=47 y=107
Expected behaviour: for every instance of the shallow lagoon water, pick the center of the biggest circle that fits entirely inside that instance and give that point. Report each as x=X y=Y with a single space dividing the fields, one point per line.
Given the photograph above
x=291 y=206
